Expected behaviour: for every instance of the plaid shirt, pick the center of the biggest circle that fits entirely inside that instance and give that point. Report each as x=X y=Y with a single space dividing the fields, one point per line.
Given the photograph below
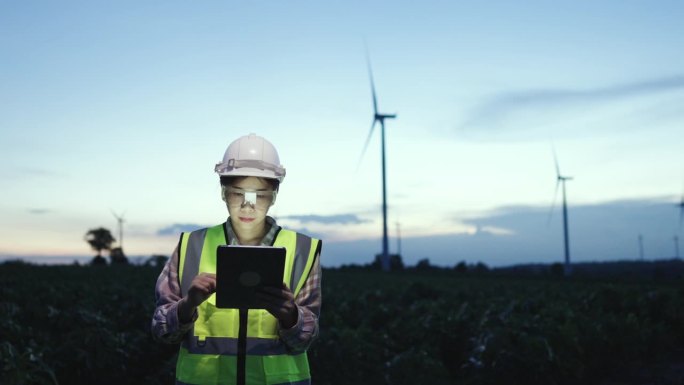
x=167 y=328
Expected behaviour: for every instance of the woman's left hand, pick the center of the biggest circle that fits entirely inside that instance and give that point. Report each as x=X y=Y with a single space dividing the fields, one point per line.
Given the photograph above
x=280 y=303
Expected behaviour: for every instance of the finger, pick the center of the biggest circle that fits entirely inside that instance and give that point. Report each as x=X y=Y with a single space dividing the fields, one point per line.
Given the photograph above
x=268 y=298
x=275 y=311
x=272 y=308
x=270 y=290
x=205 y=278
x=206 y=286
x=280 y=293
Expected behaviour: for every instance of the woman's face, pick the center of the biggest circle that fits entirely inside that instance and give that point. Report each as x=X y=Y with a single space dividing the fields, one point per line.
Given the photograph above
x=248 y=203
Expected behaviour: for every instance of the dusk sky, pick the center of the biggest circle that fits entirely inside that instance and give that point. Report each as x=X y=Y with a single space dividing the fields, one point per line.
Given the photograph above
x=128 y=105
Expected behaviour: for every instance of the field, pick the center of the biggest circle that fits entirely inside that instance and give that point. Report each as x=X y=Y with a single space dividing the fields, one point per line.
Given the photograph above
x=82 y=324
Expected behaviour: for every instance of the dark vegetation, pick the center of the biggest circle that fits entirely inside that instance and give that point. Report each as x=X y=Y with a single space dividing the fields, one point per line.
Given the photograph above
x=422 y=325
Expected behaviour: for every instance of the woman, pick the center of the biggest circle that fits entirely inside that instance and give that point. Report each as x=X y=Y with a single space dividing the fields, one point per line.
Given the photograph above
x=228 y=346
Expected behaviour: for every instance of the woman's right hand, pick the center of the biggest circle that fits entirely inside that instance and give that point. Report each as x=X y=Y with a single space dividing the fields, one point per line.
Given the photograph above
x=201 y=288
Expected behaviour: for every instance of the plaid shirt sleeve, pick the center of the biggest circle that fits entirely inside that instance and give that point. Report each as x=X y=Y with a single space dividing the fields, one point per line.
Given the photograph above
x=165 y=324
x=299 y=337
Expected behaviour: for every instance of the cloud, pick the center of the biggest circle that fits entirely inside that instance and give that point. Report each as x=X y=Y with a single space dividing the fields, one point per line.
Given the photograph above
x=343 y=219
x=307 y=231
x=38 y=211
x=177 y=228
x=23 y=173
x=536 y=105
x=513 y=235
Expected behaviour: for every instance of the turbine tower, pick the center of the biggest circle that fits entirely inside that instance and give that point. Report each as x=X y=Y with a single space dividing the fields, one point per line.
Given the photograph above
x=676 y=242
x=681 y=210
x=380 y=118
x=398 y=239
x=560 y=180
x=120 y=220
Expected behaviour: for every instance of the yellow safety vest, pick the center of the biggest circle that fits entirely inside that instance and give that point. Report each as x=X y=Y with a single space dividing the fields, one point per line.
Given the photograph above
x=242 y=347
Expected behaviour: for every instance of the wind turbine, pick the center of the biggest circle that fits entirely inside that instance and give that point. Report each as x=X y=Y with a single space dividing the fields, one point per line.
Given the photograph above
x=398 y=240
x=560 y=180
x=379 y=117
x=676 y=242
x=120 y=220
x=681 y=210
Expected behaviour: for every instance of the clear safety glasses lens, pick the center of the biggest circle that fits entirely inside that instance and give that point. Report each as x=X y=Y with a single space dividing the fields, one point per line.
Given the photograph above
x=238 y=197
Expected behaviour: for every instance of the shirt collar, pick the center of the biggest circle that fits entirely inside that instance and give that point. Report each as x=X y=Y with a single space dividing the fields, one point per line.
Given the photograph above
x=268 y=238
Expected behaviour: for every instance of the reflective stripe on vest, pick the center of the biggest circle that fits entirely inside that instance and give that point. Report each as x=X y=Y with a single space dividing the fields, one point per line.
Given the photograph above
x=209 y=353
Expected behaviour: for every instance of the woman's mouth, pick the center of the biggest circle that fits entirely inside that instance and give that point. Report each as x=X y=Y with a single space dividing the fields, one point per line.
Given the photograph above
x=246 y=220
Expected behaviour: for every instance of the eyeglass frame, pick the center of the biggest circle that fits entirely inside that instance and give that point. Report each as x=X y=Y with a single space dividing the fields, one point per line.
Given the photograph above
x=245 y=199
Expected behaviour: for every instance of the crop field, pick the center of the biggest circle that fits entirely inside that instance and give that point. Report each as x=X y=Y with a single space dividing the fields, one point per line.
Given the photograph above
x=87 y=324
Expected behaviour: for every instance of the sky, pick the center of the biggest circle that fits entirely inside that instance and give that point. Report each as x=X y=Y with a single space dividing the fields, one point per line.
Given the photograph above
x=126 y=107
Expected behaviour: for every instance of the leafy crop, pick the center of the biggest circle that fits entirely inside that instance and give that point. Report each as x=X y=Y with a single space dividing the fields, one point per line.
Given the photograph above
x=88 y=324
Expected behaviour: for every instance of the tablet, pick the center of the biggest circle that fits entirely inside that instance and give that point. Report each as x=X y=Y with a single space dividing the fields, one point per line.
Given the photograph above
x=242 y=270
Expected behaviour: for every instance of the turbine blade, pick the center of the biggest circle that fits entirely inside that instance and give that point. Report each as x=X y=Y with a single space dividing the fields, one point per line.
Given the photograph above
x=555 y=161
x=365 y=146
x=553 y=203
x=372 y=84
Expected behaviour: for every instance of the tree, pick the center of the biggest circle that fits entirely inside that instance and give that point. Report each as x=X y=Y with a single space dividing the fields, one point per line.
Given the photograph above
x=99 y=239
x=157 y=260
x=396 y=263
x=556 y=269
x=424 y=264
x=98 y=261
x=117 y=257
x=481 y=268
x=461 y=267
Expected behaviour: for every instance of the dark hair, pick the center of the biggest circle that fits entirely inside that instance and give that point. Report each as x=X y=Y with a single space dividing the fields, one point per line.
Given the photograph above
x=229 y=180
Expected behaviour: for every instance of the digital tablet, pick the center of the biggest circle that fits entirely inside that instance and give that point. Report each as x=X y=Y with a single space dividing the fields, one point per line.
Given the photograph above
x=242 y=270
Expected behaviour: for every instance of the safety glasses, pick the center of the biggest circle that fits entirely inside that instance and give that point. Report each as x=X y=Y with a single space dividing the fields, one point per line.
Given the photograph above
x=258 y=199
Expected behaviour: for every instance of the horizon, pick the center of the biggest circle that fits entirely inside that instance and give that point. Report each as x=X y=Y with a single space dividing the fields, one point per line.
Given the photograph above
x=529 y=237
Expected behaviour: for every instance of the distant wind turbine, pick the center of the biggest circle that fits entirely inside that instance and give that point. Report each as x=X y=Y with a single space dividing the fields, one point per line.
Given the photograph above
x=681 y=210
x=120 y=220
x=676 y=242
x=560 y=180
x=378 y=117
x=398 y=240
x=641 y=247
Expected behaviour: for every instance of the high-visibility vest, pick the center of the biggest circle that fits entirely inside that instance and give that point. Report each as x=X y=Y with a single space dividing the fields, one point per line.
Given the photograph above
x=242 y=347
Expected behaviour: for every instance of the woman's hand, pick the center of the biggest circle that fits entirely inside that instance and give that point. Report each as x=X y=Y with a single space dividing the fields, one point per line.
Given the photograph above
x=201 y=288
x=280 y=303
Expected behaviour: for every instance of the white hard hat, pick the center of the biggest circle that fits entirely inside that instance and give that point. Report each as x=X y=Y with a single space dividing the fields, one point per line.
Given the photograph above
x=251 y=155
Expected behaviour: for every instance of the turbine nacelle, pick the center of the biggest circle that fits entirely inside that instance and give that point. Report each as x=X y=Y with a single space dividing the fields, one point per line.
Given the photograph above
x=385 y=116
